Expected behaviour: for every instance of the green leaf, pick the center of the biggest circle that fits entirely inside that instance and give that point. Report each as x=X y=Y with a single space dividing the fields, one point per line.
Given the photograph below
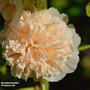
x=41 y=4
x=3 y=70
x=1 y=89
x=29 y=88
x=25 y=1
x=75 y=11
x=29 y=5
x=1 y=27
x=32 y=1
x=88 y=9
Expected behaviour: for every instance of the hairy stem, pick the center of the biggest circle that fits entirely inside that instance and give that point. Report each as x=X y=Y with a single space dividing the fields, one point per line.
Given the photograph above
x=84 y=47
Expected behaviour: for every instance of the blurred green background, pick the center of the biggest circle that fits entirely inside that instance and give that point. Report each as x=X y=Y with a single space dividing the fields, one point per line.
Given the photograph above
x=80 y=79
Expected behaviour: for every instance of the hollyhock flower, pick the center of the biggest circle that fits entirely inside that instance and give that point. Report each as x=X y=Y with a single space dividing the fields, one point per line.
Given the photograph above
x=11 y=9
x=41 y=46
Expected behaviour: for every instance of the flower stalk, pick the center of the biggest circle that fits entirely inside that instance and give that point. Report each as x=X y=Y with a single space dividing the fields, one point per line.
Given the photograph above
x=45 y=85
x=84 y=47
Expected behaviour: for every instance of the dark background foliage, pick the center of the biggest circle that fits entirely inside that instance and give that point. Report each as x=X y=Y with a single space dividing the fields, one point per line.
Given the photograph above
x=80 y=79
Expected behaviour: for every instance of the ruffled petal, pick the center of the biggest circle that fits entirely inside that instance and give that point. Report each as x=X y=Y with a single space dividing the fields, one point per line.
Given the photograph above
x=55 y=78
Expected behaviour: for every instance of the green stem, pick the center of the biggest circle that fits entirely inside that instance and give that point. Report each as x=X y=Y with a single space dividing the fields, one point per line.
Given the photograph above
x=45 y=85
x=41 y=4
x=84 y=47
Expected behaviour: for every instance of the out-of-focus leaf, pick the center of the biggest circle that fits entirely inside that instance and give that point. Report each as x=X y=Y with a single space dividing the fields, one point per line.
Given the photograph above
x=29 y=88
x=87 y=73
x=1 y=27
x=3 y=70
x=88 y=9
x=60 y=4
x=86 y=63
x=1 y=89
x=74 y=11
x=32 y=1
x=80 y=1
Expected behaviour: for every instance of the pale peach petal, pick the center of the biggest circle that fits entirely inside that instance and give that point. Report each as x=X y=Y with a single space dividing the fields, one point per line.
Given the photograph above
x=11 y=9
x=37 y=42
x=5 y=12
x=53 y=12
x=36 y=55
x=64 y=17
x=16 y=17
x=22 y=26
x=70 y=64
x=18 y=4
x=2 y=35
x=11 y=1
x=3 y=3
x=55 y=78
x=26 y=15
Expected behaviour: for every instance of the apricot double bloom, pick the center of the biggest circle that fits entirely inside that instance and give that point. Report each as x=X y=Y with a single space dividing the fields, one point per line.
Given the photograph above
x=41 y=46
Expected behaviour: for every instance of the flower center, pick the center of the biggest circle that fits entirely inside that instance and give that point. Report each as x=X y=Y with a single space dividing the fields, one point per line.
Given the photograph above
x=36 y=42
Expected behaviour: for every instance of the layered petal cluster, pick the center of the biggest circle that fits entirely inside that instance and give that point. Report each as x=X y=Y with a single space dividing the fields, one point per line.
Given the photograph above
x=11 y=9
x=41 y=45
